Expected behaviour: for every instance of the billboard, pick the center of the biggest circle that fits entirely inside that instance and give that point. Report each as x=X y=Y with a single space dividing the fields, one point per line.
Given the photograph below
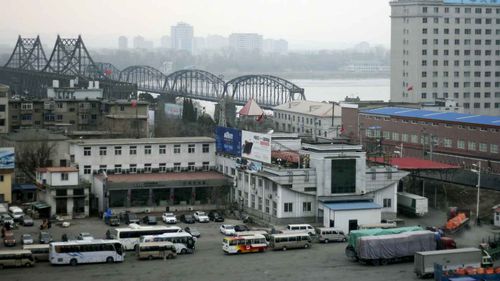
x=473 y=2
x=228 y=140
x=256 y=146
x=173 y=110
x=7 y=158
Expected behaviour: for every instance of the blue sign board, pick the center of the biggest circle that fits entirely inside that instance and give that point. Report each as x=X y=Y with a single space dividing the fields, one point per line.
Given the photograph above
x=7 y=158
x=473 y=2
x=228 y=140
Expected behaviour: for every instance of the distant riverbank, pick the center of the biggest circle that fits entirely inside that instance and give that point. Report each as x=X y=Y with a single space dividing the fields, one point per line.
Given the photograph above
x=319 y=75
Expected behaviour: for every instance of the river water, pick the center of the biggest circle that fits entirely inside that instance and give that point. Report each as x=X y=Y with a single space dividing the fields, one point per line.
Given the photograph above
x=338 y=89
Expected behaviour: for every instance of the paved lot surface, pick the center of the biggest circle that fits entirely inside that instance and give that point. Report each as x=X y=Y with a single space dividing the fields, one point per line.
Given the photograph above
x=321 y=262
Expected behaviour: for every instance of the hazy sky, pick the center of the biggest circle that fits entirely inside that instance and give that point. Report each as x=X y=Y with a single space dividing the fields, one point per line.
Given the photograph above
x=304 y=23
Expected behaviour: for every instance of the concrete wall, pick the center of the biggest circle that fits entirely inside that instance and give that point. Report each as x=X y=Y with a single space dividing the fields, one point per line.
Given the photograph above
x=342 y=218
x=6 y=186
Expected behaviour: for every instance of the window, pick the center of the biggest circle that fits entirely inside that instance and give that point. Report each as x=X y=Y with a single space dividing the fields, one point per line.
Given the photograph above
x=87 y=170
x=118 y=150
x=87 y=151
x=177 y=148
x=191 y=166
x=147 y=168
x=191 y=148
x=133 y=168
x=461 y=144
x=133 y=150
x=64 y=176
x=494 y=148
x=447 y=142
x=177 y=167
x=206 y=166
x=387 y=203
x=147 y=149
x=483 y=147
x=118 y=169
x=471 y=146
x=162 y=167
x=306 y=206
x=206 y=148
x=102 y=151
x=163 y=149
x=288 y=207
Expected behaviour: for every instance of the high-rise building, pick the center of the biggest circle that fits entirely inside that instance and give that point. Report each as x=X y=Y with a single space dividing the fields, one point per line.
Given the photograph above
x=182 y=36
x=139 y=42
x=122 y=42
x=444 y=49
x=245 y=41
x=279 y=46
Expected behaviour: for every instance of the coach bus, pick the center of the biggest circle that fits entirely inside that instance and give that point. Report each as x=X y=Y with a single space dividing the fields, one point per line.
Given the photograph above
x=16 y=258
x=130 y=236
x=244 y=244
x=184 y=242
x=86 y=251
x=290 y=241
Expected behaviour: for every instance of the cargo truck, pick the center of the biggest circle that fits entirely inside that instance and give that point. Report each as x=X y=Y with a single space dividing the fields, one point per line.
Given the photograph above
x=449 y=260
x=399 y=247
x=412 y=204
x=458 y=219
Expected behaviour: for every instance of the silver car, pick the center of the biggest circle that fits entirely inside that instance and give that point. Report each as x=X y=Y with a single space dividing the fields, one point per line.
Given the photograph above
x=27 y=239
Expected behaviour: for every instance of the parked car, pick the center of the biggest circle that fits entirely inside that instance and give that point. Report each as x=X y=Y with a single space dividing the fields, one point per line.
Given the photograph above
x=8 y=238
x=44 y=237
x=241 y=227
x=6 y=218
x=215 y=216
x=169 y=218
x=129 y=218
x=193 y=231
x=85 y=236
x=187 y=219
x=227 y=229
x=27 y=221
x=16 y=212
x=113 y=221
x=149 y=220
x=27 y=239
x=200 y=216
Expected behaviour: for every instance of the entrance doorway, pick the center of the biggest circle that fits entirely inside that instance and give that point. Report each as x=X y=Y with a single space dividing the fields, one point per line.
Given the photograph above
x=353 y=225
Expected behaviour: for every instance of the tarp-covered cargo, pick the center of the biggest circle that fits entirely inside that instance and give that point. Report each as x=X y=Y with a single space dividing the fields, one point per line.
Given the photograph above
x=356 y=234
x=395 y=245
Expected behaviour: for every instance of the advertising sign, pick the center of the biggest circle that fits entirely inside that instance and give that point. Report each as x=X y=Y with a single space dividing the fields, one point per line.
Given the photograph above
x=256 y=146
x=7 y=158
x=473 y=2
x=173 y=110
x=228 y=140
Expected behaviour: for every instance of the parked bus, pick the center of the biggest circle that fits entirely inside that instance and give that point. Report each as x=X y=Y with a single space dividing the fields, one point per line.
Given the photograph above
x=129 y=236
x=86 y=251
x=40 y=251
x=253 y=232
x=158 y=250
x=184 y=242
x=16 y=258
x=244 y=244
x=289 y=241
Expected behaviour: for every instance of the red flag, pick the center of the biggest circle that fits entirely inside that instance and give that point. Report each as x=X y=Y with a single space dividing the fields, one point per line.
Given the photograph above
x=260 y=118
x=410 y=88
x=108 y=72
x=342 y=129
x=134 y=103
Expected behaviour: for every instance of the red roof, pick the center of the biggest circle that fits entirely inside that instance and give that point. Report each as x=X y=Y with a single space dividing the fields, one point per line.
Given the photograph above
x=410 y=163
x=251 y=108
x=165 y=177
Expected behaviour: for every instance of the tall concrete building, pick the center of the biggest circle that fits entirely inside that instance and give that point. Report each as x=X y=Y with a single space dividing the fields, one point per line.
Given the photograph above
x=245 y=41
x=139 y=42
x=122 y=42
x=446 y=49
x=4 y=109
x=182 y=36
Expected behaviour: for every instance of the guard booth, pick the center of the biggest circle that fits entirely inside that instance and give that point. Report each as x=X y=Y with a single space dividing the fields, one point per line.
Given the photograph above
x=496 y=215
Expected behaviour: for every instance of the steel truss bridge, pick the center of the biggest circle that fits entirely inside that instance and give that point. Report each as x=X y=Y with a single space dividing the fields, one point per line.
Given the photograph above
x=29 y=71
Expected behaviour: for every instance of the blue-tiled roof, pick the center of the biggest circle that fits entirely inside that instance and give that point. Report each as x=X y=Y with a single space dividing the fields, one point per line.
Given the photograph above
x=341 y=206
x=437 y=115
x=19 y=187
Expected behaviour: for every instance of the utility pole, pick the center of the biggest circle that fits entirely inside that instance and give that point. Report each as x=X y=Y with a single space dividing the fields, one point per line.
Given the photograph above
x=478 y=171
x=431 y=144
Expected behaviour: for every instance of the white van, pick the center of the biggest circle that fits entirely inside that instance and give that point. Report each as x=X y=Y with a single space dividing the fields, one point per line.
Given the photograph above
x=301 y=228
x=16 y=212
x=327 y=234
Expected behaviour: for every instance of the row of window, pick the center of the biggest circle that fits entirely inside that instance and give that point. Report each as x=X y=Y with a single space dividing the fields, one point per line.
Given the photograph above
x=300 y=119
x=467 y=84
x=444 y=142
x=293 y=129
x=456 y=74
x=465 y=10
x=132 y=149
x=148 y=168
x=467 y=31
x=447 y=125
x=267 y=202
x=464 y=63
x=468 y=52
x=466 y=42
x=447 y=20
x=288 y=207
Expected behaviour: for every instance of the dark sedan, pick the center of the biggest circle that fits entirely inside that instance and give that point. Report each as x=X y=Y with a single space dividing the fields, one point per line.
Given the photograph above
x=187 y=219
x=241 y=227
x=193 y=231
x=150 y=220
x=215 y=216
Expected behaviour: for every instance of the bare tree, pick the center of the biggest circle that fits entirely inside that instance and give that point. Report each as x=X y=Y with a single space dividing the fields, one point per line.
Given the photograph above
x=32 y=155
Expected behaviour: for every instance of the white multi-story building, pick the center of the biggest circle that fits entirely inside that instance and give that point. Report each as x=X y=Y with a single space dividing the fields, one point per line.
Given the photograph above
x=122 y=42
x=182 y=36
x=61 y=189
x=139 y=42
x=245 y=42
x=446 y=49
x=317 y=119
x=4 y=109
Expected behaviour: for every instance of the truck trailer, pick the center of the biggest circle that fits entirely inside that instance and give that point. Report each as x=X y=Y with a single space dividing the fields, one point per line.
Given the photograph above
x=449 y=259
x=412 y=204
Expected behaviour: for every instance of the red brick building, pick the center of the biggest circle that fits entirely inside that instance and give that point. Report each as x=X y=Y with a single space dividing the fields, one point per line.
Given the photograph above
x=459 y=139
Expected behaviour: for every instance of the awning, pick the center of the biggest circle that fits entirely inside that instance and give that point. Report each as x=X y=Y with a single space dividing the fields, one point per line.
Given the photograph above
x=344 y=206
x=40 y=205
x=23 y=187
x=411 y=163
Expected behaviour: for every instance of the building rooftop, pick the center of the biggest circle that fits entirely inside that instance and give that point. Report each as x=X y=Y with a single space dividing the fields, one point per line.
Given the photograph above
x=436 y=115
x=143 y=141
x=320 y=109
x=153 y=177
x=410 y=163
x=34 y=135
x=57 y=169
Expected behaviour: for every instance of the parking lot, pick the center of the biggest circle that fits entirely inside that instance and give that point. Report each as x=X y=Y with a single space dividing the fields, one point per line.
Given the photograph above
x=322 y=261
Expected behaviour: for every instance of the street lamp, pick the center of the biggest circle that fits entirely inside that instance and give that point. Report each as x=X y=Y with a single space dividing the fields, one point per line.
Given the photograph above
x=477 y=169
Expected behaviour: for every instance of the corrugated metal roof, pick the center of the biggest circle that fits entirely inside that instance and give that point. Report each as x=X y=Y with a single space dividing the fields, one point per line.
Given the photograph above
x=436 y=115
x=342 y=206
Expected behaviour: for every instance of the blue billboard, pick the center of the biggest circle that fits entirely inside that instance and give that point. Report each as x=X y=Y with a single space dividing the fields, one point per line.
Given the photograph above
x=473 y=2
x=228 y=140
x=7 y=158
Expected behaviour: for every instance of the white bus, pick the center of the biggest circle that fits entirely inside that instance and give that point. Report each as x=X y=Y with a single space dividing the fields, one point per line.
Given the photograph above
x=290 y=241
x=158 y=250
x=16 y=258
x=86 y=251
x=129 y=236
x=183 y=241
